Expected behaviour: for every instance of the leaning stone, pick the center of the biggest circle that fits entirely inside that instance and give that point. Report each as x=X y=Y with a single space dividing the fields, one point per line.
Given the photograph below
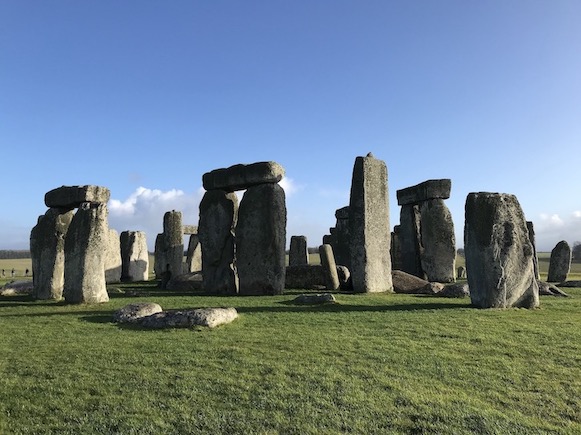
x=321 y=298
x=499 y=254
x=113 y=258
x=134 y=256
x=240 y=177
x=406 y=283
x=17 y=288
x=194 y=254
x=47 y=249
x=560 y=262
x=430 y=189
x=438 y=256
x=298 y=253
x=304 y=277
x=369 y=227
x=73 y=196
x=547 y=289
x=329 y=267
x=261 y=240
x=218 y=212
x=136 y=311
x=459 y=290
x=85 y=248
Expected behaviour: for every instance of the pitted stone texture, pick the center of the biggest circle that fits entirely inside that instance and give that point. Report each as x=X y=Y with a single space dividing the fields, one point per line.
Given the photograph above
x=305 y=277
x=532 y=238
x=194 y=254
x=209 y=317
x=74 y=196
x=369 y=227
x=218 y=214
x=113 y=258
x=159 y=257
x=458 y=290
x=560 y=262
x=261 y=240
x=85 y=247
x=430 y=189
x=135 y=312
x=341 y=239
x=408 y=284
x=134 y=256
x=190 y=229
x=409 y=237
x=499 y=254
x=47 y=249
x=317 y=299
x=240 y=177
x=329 y=267
x=438 y=242
x=173 y=242
x=298 y=253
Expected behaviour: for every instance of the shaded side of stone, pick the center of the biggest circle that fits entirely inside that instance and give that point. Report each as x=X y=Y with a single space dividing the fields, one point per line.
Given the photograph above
x=85 y=246
x=304 y=277
x=430 y=189
x=438 y=253
x=240 y=177
x=47 y=249
x=409 y=237
x=396 y=263
x=261 y=240
x=218 y=214
x=560 y=262
x=342 y=240
x=159 y=257
x=194 y=254
x=532 y=238
x=329 y=267
x=134 y=256
x=298 y=253
x=499 y=254
x=113 y=258
x=369 y=227
x=74 y=196
x=317 y=299
x=173 y=242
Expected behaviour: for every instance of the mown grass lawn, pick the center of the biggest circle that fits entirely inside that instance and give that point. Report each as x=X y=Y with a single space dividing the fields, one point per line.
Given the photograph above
x=380 y=363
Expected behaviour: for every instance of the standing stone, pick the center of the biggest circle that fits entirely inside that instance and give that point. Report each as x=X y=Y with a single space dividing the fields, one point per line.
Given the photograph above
x=461 y=272
x=159 y=258
x=409 y=240
x=113 y=258
x=298 y=253
x=560 y=262
x=438 y=253
x=261 y=239
x=342 y=239
x=369 y=227
x=47 y=249
x=329 y=267
x=395 y=249
x=531 y=230
x=85 y=247
x=134 y=256
x=173 y=242
x=499 y=254
x=218 y=214
x=194 y=254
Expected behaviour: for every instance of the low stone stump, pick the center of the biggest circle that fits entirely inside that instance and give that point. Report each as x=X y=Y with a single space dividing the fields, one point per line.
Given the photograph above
x=316 y=299
x=459 y=290
x=135 y=312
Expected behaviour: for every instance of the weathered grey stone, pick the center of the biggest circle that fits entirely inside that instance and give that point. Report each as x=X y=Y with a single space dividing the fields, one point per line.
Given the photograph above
x=499 y=254
x=458 y=290
x=396 y=263
x=430 y=189
x=17 y=288
x=369 y=227
x=134 y=256
x=218 y=214
x=329 y=267
x=47 y=249
x=192 y=281
x=261 y=240
x=135 y=312
x=461 y=272
x=575 y=283
x=240 y=177
x=159 y=257
x=342 y=213
x=194 y=254
x=531 y=230
x=547 y=289
x=74 y=196
x=189 y=230
x=305 y=277
x=113 y=258
x=407 y=283
x=341 y=240
x=409 y=237
x=298 y=253
x=209 y=317
x=560 y=262
x=173 y=242
x=85 y=247
x=438 y=242
x=344 y=278
x=317 y=299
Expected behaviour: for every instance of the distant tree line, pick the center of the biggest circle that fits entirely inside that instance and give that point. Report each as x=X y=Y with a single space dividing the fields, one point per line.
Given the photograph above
x=11 y=254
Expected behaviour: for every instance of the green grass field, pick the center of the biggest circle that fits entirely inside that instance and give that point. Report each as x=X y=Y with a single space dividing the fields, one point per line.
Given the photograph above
x=381 y=363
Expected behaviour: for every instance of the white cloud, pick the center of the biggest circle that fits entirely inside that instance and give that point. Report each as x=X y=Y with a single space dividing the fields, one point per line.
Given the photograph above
x=289 y=186
x=550 y=229
x=143 y=210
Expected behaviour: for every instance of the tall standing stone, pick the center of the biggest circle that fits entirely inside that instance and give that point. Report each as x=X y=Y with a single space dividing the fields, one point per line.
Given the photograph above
x=329 y=267
x=47 y=249
x=159 y=258
x=395 y=249
x=409 y=240
x=85 y=247
x=560 y=262
x=369 y=227
x=134 y=256
x=438 y=254
x=113 y=258
x=342 y=239
x=532 y=238
x=499 y=254
x=298 y=253
x=173 y=242
x=218 y=214
x=261 y=240
x=194 y=255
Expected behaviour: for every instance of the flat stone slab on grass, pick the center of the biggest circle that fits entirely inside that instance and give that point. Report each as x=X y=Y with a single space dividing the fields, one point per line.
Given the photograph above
x=458 y=290
x=570 y=284
x=319 y=298
x=74 y=196
x=17 y=288
x=240 y=177
x=406 y=283
x=135 y=312
x=209 y=317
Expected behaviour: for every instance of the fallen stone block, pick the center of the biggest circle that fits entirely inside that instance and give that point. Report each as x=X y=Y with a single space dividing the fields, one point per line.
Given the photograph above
x=135 y=312
x=320 y=298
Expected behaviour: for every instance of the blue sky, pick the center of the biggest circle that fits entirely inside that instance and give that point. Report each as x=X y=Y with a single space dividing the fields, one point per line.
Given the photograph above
x=144 y=97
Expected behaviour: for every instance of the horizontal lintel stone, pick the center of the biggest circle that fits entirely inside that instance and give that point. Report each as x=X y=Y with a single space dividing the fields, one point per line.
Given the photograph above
x=74 y=196
x=430 y=189
x=240 y=177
